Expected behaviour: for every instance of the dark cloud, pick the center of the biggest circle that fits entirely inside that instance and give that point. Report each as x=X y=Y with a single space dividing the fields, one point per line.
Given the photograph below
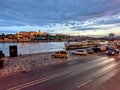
x=64 y=12
x=36 y=11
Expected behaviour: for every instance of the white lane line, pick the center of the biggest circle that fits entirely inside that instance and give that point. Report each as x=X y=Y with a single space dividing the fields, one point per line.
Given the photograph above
x=42 y=79
x=84 y=83
x=38 y=81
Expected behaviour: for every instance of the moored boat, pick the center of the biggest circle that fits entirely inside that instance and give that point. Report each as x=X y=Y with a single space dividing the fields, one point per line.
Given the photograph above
x=77 y=45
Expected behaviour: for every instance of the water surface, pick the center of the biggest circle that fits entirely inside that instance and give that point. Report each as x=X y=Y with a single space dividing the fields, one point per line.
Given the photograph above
x=32 y=47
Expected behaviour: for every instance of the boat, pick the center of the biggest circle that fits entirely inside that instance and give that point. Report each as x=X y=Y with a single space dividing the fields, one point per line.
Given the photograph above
x=77 y=45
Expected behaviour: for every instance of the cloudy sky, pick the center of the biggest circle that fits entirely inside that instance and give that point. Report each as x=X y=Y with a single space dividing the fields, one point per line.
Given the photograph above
x=76 y=17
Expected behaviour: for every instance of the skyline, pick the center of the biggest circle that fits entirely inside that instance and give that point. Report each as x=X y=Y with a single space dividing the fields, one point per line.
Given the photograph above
x=82 y=17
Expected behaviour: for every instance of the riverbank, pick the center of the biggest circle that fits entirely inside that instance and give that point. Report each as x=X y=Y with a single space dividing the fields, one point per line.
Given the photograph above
x=23 y=41
x=25 y=63
x=31 y=62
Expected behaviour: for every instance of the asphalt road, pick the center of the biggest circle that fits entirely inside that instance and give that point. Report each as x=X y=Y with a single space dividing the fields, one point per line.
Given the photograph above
x=91 y=73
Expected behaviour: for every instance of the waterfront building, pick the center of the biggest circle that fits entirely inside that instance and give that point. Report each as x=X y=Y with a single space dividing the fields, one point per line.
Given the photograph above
x=23 y=35
x=28 y=35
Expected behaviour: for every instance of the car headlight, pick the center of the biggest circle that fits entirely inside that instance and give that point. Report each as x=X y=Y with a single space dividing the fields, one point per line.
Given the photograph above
x=113 y=52
x=106 y=51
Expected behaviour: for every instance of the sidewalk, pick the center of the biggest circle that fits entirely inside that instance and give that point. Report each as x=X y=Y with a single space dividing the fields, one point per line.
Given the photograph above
x=32 y=62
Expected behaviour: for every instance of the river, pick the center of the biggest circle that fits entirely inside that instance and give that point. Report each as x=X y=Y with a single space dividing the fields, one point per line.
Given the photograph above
x=32 y=47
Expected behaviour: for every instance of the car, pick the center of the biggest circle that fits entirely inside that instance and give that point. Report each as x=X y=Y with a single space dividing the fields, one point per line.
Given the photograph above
x=103 y=48
x=80 y=52
x=89 y=50
x=60 y=54
x=113 y=51
x=96 y=49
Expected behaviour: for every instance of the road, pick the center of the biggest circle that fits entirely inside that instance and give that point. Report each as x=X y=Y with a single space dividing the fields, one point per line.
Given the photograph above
x=91 y=73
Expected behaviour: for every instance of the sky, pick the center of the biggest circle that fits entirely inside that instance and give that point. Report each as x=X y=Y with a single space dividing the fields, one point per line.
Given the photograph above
x=75 y=17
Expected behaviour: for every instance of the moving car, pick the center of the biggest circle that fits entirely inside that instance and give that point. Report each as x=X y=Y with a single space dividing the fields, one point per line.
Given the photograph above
x=89 y=51
x=96 y=49
x=113 y=51
x=61 y=54
x=80 y=52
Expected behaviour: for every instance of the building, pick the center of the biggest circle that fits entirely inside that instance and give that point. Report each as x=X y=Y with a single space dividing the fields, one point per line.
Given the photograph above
x=23 y=36
x=28 y=35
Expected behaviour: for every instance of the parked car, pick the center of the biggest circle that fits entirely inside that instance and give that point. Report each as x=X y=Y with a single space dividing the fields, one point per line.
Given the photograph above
x=80 y=52
x=113 y=51
x=96 y=49
x=89 y=50
x=61 y=54
x=103 y=48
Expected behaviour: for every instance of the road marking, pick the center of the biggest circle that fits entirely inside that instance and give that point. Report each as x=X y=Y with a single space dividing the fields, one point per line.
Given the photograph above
x=38 y=81
x=84 y=83
x=46 y=79
x=43 y=79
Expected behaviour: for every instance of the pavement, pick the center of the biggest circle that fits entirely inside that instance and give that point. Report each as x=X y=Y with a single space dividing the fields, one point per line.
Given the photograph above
x=31 y=62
